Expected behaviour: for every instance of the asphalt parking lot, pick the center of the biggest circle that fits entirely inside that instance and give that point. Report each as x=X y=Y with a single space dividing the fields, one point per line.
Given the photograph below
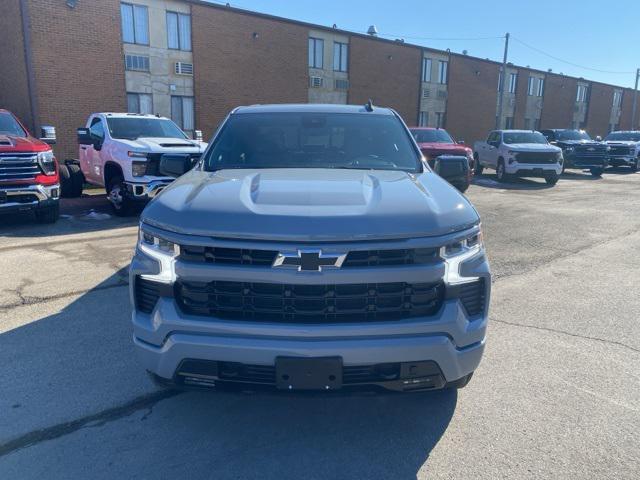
x=557 y=394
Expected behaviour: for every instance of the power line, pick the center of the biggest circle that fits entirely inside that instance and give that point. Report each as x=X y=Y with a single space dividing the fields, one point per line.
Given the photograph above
x=568 y=62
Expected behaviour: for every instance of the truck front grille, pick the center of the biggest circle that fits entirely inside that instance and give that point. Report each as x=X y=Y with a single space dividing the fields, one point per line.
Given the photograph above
x=537 y=157
x=590 y=151
x=621 y=150
x=309 y=304
x=18 y=167
x=355 y=258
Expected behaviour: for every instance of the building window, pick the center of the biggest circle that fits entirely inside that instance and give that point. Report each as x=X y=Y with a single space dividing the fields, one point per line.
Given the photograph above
x=136 y=63
x=530 y=90
x=617 y=99
x=135 y=23
x=179 y=31
x=139 y=103
x=500 y=81
x=340 y=57
x=442 y=71
x=513 y=82
x=581 y=94
x=440 y=119
x=508 y=123
x=426 y=70
x=423 y=119
x=540 y=91
x=182 y=113
x=316 y=52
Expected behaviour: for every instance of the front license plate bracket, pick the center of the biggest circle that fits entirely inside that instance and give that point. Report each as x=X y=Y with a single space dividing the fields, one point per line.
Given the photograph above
x=294 y=373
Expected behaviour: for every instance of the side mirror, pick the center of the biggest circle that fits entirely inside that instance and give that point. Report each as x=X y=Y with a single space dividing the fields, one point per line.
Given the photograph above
x=461 y=142
x=598 y=138
x=198 y=135
x=84 y=136
x=48 y=134
x=174 y=165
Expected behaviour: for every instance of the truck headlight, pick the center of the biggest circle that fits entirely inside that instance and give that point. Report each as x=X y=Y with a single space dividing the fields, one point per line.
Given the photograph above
x=456 y=253
x=47 y=162
x=569 y=150
x=138 y=168
x=559 y=157
x=161 y=250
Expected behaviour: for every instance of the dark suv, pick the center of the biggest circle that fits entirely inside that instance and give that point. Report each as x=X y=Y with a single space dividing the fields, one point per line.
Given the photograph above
x=579 y=150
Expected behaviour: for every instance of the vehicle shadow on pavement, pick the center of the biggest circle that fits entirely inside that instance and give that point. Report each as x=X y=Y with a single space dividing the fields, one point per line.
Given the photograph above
x=77 y=368
x=491 y=181
x=579 y=175
x=84 y=214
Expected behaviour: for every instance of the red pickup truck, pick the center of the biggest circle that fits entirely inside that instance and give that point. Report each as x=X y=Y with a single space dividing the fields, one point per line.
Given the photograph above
x=436 y=143
x=29 y=175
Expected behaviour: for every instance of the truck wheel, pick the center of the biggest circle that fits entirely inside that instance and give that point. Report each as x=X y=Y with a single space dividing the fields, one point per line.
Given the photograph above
x=116 y=194
x=636 y=166
x=501 y=172
x=478 y=166
x=66 y=183
x=77 y=180
x=48 y=214
x=460 y=383
x=551 y=178
x=596 y=172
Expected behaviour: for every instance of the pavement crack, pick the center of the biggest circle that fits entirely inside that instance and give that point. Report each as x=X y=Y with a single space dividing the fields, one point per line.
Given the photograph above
x=563 y=332
x=33 y=300
x=90 y=421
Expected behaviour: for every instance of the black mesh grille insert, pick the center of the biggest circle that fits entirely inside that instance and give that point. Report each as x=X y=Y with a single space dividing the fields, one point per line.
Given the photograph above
x=537 y=157
x=147 y=294
x=356 y=258
x=308 y=304
x=473 y=297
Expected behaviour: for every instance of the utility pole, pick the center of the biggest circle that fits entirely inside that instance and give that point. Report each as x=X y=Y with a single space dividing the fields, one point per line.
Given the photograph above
x=502 y=80
x=635 y=101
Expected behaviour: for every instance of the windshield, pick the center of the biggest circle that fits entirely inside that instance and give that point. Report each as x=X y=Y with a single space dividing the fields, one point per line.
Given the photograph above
x=624 y=136
x=9 y=126
x=524 y=137
x=313 y=140
x=139 y=127
x=431 y=136
x=573 y=135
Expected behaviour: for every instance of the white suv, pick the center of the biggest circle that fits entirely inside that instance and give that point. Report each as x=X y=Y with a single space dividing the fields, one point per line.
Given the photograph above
x=122 y=152
x=624 y=149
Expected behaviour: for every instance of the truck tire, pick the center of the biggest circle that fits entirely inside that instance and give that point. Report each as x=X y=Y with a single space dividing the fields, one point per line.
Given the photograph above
x=116 y=194
x=48 y=214
x=636 y=166
x=501 y=172
x=66 y=183
x=77 y=180
x=478 y=168
x=551 y=178
x=596 y=171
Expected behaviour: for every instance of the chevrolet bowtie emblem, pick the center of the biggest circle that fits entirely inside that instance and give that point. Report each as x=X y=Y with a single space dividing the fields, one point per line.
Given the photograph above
x=309 y=260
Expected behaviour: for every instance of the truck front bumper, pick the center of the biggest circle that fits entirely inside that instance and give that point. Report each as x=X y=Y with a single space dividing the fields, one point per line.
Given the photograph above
x=532 y=169
x=622 y=161
x=577 y=162
x=146 y=191
x=28 y=197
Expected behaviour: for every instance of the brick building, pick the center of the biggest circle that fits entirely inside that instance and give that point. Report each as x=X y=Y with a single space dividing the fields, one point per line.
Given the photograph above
x=194 y=61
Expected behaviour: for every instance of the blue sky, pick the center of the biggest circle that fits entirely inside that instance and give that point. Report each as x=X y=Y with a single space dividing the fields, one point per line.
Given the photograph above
x=596 y=34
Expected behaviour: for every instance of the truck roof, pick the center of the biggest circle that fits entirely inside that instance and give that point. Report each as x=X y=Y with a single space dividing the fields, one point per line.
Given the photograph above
x=515 y=131
x=312 y=108
x=128 y=115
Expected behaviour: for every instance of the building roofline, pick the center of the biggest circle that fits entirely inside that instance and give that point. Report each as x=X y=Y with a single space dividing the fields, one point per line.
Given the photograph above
x=403 y=43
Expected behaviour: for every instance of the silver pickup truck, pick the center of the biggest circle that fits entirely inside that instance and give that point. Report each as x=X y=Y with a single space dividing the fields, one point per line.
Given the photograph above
x=311 y=248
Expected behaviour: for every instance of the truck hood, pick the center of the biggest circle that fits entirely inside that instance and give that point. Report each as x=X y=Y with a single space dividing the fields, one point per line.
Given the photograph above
x=532 y=147
x=443 y=149
x=164 y=145
x=310 y=205
x=14 y=143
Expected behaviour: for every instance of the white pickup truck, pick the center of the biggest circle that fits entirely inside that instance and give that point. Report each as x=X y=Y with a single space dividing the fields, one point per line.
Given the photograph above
x=122 y=152
x=521 y=153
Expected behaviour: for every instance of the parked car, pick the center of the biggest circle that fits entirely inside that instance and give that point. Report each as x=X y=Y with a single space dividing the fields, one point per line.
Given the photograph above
x=579 y=150
x=28 y=170
x=520 y=153
x=625 y=149
x=122 y=152
x=446 y=156
x=310 y=248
